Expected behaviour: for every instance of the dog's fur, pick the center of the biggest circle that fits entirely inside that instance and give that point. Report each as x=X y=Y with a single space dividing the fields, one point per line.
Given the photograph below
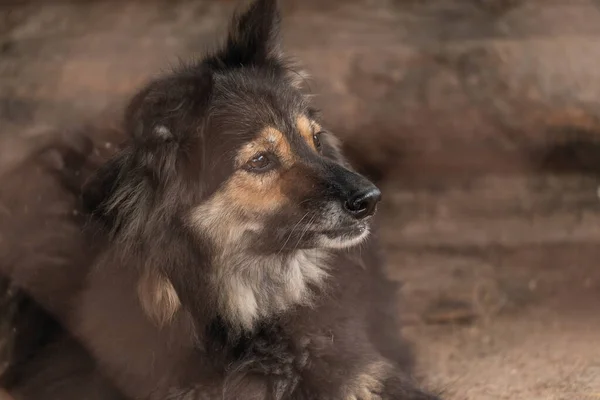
x=225 y=264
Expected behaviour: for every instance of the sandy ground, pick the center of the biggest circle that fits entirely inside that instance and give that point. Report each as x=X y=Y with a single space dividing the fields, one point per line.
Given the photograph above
x=501 y=290
x=537 y=355
x=496 y=317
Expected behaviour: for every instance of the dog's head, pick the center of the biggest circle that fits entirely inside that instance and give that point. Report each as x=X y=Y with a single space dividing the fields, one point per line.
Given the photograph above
x=243 y=138
x=231 y=149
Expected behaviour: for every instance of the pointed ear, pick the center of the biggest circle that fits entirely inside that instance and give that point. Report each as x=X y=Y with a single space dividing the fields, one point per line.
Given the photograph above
x=170 y=109
x=253 y=36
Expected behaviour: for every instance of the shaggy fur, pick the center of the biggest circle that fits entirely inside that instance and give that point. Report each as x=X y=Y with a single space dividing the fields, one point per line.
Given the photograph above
x=229 y=243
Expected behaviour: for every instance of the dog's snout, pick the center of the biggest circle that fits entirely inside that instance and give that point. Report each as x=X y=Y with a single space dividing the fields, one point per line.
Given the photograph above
x=363 y=203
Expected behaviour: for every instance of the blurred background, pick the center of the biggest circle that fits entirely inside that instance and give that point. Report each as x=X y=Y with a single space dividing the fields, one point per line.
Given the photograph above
x=479 y=119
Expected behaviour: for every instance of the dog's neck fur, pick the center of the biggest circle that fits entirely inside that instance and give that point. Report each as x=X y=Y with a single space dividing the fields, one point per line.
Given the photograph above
x=252 y=287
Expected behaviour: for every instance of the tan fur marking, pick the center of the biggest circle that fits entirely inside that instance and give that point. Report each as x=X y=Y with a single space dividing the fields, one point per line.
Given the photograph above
x=307 y=128
x=254 y=193
x=158 y=297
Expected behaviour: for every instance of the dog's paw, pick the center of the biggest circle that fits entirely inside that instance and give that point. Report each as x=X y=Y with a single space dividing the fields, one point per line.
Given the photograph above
x=381 y=381
x=369 y=384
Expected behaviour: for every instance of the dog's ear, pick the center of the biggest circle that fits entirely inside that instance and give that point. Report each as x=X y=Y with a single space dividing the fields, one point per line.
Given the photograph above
x=253 y=36
x=169 y=110
x=158 y=297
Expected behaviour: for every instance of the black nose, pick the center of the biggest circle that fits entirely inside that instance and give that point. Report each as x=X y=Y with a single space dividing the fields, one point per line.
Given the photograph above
x=363 y=203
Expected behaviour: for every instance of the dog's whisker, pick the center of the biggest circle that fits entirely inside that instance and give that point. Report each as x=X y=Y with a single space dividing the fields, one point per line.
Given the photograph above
x=292 y=232
x=304 y=231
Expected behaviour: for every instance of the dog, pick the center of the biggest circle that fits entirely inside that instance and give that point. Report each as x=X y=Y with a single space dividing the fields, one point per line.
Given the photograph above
x=226 y=250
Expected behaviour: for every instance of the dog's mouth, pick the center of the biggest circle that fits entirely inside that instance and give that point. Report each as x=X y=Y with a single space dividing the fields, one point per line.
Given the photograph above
x=324 y=227
x=343 y=237
x=350 y=231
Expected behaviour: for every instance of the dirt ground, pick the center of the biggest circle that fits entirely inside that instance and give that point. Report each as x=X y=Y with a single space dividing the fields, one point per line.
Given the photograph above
x=499 y=261
x=496 y=311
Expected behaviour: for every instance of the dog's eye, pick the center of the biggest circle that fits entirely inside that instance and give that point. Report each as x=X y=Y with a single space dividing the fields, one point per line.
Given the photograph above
x=260 y=163
x=317 y=140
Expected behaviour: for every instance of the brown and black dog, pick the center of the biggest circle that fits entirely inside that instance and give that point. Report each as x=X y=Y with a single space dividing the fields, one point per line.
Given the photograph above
x=224 y=252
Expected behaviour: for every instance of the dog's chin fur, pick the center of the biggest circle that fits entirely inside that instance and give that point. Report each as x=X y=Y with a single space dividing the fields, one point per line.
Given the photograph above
x=343 y=241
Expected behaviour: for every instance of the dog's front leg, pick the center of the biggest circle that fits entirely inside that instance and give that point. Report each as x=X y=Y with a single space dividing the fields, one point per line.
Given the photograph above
x=380 y=380
x=345 y=376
